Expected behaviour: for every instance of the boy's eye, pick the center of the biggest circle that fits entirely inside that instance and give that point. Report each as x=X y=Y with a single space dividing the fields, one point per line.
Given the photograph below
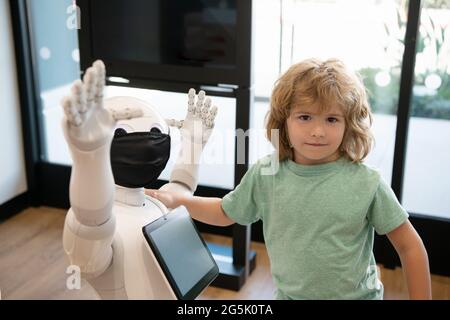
x=304 y=117
x=332 y=120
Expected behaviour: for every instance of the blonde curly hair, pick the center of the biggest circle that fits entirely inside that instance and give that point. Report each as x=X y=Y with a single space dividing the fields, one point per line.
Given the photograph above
x=323 y=83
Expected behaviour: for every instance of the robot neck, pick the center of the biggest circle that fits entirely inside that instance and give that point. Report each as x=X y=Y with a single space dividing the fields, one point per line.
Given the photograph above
x=130 y=196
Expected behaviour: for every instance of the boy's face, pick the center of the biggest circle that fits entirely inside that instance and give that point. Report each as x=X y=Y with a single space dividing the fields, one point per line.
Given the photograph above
x=315 y=137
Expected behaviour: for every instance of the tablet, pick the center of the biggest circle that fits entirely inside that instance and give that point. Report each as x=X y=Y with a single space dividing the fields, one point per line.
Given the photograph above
x=182 y=253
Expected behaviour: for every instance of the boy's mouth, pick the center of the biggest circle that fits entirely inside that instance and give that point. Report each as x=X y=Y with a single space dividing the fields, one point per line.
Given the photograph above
x=316 y=144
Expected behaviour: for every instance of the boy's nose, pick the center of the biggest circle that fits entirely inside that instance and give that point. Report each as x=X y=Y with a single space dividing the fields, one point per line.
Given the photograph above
x=317 y=131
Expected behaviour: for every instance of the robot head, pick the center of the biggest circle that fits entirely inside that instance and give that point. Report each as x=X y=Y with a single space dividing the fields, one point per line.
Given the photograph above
x=140 y=148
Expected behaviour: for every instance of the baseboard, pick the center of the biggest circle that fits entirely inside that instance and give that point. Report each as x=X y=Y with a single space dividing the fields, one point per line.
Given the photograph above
x=14 y=206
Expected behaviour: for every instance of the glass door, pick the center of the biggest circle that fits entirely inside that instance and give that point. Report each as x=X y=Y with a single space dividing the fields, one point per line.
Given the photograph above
x=427 y=174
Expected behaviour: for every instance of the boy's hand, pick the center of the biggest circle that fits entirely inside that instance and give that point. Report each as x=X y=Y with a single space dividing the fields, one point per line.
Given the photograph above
x=169 y=199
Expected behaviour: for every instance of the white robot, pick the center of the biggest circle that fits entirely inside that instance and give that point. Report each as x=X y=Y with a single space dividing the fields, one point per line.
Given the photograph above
x=103 y=228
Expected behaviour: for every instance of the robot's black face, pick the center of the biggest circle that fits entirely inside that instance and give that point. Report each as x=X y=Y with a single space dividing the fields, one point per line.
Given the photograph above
x=138 y=158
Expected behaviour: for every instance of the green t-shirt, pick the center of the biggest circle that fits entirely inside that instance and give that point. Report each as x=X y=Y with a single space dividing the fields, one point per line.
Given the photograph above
x=318 y=224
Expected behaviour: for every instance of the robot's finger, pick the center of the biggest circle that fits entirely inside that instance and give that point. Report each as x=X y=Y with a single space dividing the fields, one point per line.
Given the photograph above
x=100 y=66
x=208 y=120
x=191 y=93
x=200 y=98
x=206 y=108
x=191 y=99
x=100 y=83
x=78 y=96
x=207 y=103
x=199 y=104
x=126 y=113
x=191 y=107
x=69 y=110
x=90 y=79
x=213 y=112
x=209 y=123
x=71 y=113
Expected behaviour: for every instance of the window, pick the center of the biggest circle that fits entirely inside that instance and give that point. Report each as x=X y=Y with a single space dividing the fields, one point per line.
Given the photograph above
x=56 y=56
x=427 y=173
x=367 y=35
x=267 y=64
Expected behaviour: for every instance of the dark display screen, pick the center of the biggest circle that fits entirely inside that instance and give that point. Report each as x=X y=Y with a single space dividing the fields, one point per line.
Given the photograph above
x=172 y=32
x=181 y=252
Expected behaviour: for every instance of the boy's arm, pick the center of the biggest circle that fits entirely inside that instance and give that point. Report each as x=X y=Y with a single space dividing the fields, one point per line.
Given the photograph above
x=207 y=210
x=414 y=259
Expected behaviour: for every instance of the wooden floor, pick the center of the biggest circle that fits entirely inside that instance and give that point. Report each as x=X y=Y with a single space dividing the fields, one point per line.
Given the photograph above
x=33 y=264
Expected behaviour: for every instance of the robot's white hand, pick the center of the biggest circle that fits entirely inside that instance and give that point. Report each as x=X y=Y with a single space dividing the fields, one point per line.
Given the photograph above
x=200 y=110
x=87 y=124
x=199 y=120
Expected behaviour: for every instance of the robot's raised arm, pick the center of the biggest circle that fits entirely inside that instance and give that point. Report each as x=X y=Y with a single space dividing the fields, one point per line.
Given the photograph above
x=88 y=128
x=195 y=129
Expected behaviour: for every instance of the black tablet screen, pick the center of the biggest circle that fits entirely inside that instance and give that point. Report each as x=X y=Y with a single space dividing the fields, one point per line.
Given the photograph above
x=181 y=253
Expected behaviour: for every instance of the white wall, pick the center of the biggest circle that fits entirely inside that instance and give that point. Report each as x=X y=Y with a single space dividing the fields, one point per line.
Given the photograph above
x=12 y=164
